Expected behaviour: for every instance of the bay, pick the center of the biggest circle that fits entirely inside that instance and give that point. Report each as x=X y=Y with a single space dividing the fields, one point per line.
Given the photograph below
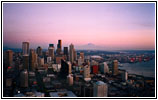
x=141 y=68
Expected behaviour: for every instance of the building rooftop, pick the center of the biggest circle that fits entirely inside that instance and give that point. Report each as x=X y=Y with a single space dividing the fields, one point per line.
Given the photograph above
x=62 y=94
x=99 y=83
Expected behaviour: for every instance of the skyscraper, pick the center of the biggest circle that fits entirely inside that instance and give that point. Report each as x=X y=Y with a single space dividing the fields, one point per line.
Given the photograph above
x=9 y=57
x=104 y=68
x=115 y=67
x=100 y=89
x=70 y=67
x=51 y=51
x=86 y=74
x=39 y=51
x=80 y=61
x=70 y=79
x=51 y=45
x=72 y=53
x=66 y=53
x=75 y=55
x=59 y=47
x=64 y=71
x=24 y=79
x=124 y=75
x=82 y=55
x=33 y=59
x=25 y=48
x=25 y=61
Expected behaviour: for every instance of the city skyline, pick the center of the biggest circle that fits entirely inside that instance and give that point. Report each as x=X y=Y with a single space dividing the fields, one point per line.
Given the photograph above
x=86 y=25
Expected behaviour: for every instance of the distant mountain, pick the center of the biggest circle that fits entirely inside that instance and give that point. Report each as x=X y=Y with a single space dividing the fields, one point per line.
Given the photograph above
x=89 y=46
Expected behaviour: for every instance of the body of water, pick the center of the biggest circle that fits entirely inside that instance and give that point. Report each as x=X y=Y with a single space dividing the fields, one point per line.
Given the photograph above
x=140 y=68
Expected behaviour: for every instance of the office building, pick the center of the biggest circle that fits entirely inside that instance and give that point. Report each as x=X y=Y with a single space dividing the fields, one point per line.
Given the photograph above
x=59 y=47
x=49 y=59
x=72 y=54
x=58 y=59
x=82 y=55
x=104 y=68
x=51 y=51
x=95 y=69
x=40 y=61
x=70 y=79
x=24 y=79
x=86 y=73
x=66 y=53
x=70 y=67
x=26 y=62
x=51 y=45
x=64 y=71
x=39 y=51
x=9 y=82
x=80 y=61
x=115 y=67
x=124 y=75
x=100 y=89
x=33 y=59
x=25 y=48
x=9 y=58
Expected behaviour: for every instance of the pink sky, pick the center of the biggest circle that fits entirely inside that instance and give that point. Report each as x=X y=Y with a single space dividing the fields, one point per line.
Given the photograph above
x=113 y=26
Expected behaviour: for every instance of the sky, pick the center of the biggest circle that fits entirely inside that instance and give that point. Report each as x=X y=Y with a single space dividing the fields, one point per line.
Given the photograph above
x=102 y=26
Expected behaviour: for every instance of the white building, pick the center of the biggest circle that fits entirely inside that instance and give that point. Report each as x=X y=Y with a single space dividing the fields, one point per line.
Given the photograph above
x=100 y=89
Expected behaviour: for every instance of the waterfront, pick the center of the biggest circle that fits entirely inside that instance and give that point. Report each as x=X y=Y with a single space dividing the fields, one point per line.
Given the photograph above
x=141 y=68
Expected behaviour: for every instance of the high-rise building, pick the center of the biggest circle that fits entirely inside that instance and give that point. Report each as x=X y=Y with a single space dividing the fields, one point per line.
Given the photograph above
x=86 y=74
x=70 y=79
x=115 y=67
x=65 y=50
x=124 y=75
x=25 y=61
x=59 y=47
x=72 y=53
x=75 y=55
x=66 y=53
x=51 y=45
x=49 y=59
x=9 y=57
x=58 y=59
x=80 y=61
x=100 y=89
x=9 y=82
x=25 y=48
x=39 y=51
x=95 y=69
x=82 y=55
x=24 y=79
x=64 y=71
x=104 y=68
x=40 y=61
x=33 y=60
x=70 y=67
x=51 y=51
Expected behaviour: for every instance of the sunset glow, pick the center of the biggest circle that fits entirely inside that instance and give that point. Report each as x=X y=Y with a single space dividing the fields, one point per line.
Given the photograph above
x=109 y=26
